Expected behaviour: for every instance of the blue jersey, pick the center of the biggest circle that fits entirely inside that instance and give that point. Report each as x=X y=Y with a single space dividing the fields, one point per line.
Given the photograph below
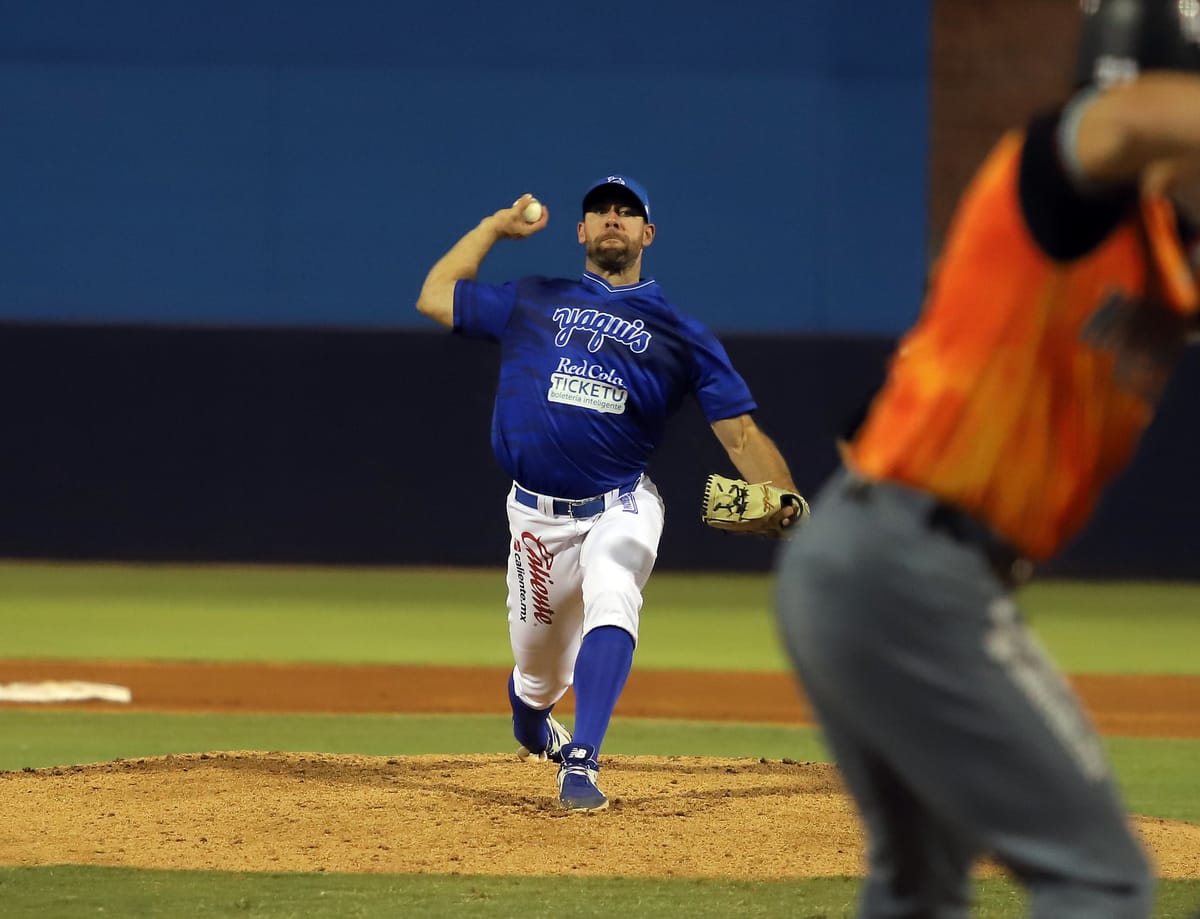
x=589 y=375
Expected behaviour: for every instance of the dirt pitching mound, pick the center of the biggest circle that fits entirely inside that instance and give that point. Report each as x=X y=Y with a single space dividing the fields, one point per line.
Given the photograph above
x=481 y=814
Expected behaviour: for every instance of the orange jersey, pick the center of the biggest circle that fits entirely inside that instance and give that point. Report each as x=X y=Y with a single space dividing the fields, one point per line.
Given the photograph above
x=1027 y=382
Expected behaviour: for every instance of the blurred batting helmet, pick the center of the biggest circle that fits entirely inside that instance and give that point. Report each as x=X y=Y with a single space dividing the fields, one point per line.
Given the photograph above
x=1121 y=38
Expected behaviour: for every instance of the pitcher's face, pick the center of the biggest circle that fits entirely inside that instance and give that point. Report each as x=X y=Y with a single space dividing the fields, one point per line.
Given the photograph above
x=614 y=233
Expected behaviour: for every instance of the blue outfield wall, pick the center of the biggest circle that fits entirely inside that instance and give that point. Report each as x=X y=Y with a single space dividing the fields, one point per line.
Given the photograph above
x=216 y=218
x=351 y=447
x=303 y=163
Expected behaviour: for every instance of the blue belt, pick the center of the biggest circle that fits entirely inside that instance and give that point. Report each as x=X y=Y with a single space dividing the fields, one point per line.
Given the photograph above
x=584 y=507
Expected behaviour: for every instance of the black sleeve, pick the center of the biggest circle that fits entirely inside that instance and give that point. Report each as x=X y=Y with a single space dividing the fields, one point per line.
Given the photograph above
x=1065 y=221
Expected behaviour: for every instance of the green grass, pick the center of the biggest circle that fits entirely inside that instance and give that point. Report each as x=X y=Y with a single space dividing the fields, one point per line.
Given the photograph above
x=223 y=613
x=220 y=613
x=69 y=892
x=58 y=738
x=1159 y=777
x=716 y=621
x=1118 y=627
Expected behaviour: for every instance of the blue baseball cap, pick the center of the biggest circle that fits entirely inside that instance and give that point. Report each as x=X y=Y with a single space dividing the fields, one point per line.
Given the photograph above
x=635 y=188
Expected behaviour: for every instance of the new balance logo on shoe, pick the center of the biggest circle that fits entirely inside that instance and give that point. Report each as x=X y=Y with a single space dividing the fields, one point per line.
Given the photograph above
x=577 y=790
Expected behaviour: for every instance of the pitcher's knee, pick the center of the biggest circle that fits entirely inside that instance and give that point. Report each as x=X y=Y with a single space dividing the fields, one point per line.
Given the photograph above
x=613 y=609
x=539 y=691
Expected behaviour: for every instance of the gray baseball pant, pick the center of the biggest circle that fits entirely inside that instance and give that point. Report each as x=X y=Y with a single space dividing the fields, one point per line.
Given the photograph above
x=952 y=730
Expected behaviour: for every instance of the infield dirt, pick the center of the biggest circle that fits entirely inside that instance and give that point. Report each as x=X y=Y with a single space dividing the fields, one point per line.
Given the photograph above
x=480 y=814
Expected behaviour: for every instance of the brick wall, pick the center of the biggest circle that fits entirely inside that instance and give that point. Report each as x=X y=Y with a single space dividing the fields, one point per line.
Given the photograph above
x=994 y=62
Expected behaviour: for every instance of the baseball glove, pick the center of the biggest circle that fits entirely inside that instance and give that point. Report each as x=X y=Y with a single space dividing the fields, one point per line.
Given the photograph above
x=736 y=506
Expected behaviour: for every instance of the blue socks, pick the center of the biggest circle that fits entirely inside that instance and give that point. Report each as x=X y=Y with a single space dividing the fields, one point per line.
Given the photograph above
x=604 y=661
x=531 y=726
x=601 y=669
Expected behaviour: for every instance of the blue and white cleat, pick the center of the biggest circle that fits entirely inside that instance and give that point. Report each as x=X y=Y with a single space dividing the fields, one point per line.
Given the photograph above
x=559 y=738
x=577 y=789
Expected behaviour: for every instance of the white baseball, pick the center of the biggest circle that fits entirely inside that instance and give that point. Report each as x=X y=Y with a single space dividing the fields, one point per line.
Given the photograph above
x=533 y=211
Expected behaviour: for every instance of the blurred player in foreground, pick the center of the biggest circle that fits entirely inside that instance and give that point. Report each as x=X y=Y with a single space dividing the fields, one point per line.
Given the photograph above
x=591 y=369
x=1057 y=309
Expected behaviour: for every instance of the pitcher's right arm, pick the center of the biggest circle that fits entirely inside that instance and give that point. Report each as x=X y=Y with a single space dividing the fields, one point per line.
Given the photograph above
x=462 y=261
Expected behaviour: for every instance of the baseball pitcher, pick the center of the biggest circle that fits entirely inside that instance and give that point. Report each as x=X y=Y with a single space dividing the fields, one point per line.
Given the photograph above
x=591 y=369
